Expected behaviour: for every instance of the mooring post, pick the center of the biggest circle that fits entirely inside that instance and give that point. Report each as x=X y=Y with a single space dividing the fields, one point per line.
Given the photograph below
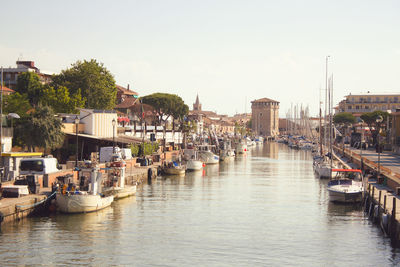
x=369 y=189
x=394 y=209
x=380 y=194
x=373 y=192
x=384 y=203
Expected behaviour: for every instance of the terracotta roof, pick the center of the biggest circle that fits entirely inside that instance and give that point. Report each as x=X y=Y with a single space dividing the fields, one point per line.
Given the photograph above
x=127 y=103
x=6 y=89
x=204 y=112
x=126 y=91
x=264 y=100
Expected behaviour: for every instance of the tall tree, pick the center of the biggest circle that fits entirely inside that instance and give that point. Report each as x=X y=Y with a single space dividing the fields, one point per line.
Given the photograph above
x=28 y=83
x=16 y=103
x=40 y=129
x=96 y=83
x=60 y=100
x=370 y=118
x=167 y=105
x=344 y=118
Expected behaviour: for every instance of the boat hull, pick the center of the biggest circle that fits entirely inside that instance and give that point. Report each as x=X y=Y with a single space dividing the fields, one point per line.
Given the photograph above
x=174 y=171
x=344 y=197
x=80 y=203
x=119 y=192
x=194 y=165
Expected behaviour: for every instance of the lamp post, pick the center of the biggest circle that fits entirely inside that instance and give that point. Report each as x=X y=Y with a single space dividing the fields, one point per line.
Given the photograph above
x=76 y=132
x=361 y=143
x=379 y=119
x=114 y=122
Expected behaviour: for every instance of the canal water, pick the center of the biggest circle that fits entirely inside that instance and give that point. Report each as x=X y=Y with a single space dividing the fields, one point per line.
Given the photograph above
x=265 y=208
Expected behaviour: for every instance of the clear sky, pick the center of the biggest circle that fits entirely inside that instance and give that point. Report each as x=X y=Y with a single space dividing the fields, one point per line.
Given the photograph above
x=230 y=52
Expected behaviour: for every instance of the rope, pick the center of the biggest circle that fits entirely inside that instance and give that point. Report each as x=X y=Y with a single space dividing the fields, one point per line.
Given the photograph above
x=35 y=204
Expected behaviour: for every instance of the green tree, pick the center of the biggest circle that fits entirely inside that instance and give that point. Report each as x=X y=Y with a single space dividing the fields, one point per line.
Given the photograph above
x=166 y=105
x=344 y=118
x=28 y=83
x=60 y=100
x=40 y=129
x=96 y=83
x=16 y=103
x=370 y=118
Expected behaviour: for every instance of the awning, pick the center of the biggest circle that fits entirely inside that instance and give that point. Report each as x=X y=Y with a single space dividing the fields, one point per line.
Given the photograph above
x=125 y=139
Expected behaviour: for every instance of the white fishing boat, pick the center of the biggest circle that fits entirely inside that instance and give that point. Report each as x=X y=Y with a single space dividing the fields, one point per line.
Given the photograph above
x=70 y=200
x=173 y=168
x=241 y=147
x=194 y=165
x=226 y=155
x=226 y=152
x=347 y=186
x=81 y=201
x=206 y=155
x=192 y=160
x=115 y=184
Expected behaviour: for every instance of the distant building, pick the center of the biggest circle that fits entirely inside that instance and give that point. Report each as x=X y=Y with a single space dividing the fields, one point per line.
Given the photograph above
x=125 y=94
x=197 y=105
x=358 y=104
x=10 y=75
x=265 y=117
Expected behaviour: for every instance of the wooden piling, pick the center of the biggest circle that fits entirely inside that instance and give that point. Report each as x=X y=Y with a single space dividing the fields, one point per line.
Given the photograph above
x=394 y=209
x=384 y=203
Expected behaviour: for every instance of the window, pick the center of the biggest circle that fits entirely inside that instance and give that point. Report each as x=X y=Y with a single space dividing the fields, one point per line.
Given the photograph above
x=349 y=107
x=357 y=107
x=377 y=99
x=369 y=99
x=32 y=165
x=366 y=107
x=396 y=99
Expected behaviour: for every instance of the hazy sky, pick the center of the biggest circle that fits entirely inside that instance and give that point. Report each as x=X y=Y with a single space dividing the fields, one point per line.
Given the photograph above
x=227 y=51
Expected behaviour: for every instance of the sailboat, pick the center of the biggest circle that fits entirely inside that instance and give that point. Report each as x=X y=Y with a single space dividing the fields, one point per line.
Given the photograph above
x=324 y=167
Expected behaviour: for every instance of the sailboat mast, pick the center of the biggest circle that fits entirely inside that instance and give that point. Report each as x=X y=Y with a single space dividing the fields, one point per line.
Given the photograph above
x=326 y=97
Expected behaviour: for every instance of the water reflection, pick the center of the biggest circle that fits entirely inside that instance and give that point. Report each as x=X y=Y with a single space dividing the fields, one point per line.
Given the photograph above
x=263 y=208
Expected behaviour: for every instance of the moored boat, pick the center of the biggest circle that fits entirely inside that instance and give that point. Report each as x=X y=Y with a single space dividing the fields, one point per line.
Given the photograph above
x=70 y=200
x=347 y=186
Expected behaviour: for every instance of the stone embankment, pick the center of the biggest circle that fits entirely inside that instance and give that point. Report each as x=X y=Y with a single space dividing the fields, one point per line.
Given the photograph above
x=381 y=200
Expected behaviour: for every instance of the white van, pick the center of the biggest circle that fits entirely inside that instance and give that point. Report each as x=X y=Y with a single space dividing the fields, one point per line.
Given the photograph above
x=42 y=166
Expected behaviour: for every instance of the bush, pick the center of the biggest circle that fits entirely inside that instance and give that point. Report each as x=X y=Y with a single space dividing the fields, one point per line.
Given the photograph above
x=137 y=149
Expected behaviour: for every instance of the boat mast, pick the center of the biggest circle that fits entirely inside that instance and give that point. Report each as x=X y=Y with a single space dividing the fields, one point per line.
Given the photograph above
x=326 y=97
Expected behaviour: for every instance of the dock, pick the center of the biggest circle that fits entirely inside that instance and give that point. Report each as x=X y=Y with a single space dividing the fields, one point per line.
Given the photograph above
x=381 y=202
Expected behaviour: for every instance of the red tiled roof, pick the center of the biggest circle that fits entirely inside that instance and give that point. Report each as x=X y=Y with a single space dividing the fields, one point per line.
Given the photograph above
x=264 y=100
x=6 y=89
x=126 y=91
x=127 y=103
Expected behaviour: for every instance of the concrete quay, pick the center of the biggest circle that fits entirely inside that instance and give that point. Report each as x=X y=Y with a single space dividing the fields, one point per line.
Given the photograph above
x=382 y=196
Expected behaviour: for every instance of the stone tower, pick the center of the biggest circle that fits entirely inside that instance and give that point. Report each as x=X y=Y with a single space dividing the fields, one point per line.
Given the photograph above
x=265 y=117
x=197 y=105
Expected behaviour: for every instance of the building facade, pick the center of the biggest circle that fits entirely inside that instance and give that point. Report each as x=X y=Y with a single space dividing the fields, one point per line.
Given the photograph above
x=265 y=117
x=356 y=104
x=10 y=75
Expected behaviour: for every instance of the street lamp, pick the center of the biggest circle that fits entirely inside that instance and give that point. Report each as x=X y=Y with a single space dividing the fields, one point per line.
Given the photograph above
x=76 y=120
x=114 y=122
x=361 y=143
x=379 y=119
